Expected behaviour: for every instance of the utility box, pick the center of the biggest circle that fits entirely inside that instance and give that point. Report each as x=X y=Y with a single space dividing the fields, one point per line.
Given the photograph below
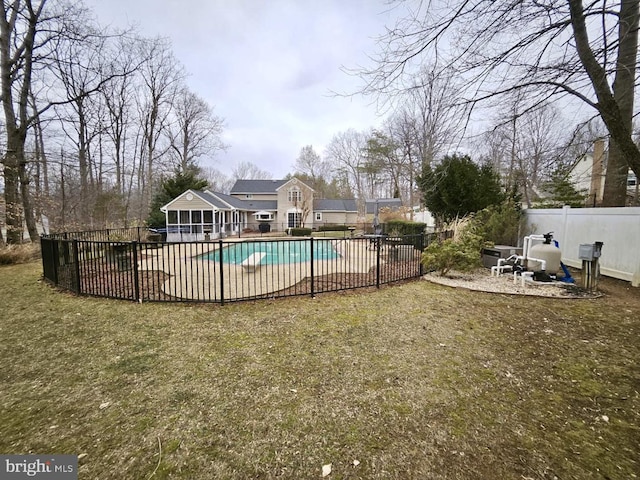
x=491 y=255
x=589 y=251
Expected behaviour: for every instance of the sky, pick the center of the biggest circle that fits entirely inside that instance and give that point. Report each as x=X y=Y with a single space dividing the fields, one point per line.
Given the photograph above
x=267 y=67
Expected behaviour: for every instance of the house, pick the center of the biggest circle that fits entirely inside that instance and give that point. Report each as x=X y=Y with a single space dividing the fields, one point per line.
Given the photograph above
x=259 y=205
x=588 y=174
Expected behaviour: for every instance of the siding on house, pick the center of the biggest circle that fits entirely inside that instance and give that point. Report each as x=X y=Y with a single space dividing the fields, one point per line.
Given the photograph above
x=284 y=205
x=254 y=196
x=337 y=218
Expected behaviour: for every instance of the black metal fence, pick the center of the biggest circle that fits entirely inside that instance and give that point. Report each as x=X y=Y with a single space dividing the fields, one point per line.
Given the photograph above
x=124 y=264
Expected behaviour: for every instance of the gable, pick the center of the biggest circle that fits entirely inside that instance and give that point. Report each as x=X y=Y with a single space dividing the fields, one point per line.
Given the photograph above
x=294 y=181
x=192 y=200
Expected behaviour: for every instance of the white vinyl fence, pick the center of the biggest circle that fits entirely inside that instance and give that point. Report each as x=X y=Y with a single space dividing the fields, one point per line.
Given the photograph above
x=618 y=228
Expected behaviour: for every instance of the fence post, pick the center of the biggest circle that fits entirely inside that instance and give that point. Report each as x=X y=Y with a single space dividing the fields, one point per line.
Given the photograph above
x=313 y=293
x=221 y=264
x=136 y=282
x=421 y=268
x=76 y=266
x=55 y=260
x=378 y=244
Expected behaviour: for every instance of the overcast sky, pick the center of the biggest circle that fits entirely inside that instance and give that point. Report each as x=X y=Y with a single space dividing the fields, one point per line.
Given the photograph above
x=267 y=67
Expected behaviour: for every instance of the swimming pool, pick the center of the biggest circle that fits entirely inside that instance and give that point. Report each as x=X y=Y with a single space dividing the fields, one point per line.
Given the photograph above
x=276 y=252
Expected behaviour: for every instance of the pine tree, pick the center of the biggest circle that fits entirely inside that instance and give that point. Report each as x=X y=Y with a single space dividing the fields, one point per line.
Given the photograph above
x=170 y=189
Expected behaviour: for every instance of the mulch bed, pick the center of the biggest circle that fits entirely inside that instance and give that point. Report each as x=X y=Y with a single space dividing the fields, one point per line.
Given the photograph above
x=334 y=282
x=106 y=279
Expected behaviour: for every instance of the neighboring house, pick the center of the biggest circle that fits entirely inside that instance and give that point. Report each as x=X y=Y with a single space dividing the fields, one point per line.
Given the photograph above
x=265 y=205
x=588 y=174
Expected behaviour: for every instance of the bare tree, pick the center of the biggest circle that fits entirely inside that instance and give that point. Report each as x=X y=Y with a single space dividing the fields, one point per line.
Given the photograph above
x=541 y=48
x=217 y=181
x=196 y=130
x=79 y=64
x=249 y=171
x=346 y=153
x=18 y=29
x=162 y=78
x=310 y=163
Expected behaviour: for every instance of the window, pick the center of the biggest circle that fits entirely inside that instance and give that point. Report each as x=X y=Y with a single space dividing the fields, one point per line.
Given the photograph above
x=196 y=216
x=184 y=217
x=295 y=195
x=294 y=219
x=318 y=216
x=265 y=216
x=208 y=216
x=172 y=217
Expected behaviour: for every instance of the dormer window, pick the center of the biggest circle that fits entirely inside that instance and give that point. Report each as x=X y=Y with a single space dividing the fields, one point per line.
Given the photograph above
x=295 y=195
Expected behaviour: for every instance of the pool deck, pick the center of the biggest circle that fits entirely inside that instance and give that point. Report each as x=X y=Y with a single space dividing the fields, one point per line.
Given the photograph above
x=199 y=278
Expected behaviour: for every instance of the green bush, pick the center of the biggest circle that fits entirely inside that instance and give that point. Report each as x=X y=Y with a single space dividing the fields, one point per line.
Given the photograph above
x=404 y=227
x=462 y=255
x=333 y=228
x=300 y=232
x=501 y=224
x=401 y=228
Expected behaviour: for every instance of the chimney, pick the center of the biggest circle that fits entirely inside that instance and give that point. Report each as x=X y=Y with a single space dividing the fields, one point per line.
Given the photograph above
x=597 y=172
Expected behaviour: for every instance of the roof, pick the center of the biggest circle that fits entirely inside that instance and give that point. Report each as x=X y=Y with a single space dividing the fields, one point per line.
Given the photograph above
x=260 y=205
x=329 y=205
x=393 y=203
x=204 y=196
x=256 y=186
x=213 y=200
x=241 y=204
x=228 y=199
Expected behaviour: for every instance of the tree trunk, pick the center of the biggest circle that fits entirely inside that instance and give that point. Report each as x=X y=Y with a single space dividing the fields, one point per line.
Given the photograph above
x=15 y=150
x=29 y=216
x=615 y=187
x=614 y=107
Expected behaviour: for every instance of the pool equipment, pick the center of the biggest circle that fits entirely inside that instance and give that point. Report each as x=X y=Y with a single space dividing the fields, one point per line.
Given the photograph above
x=544 y=257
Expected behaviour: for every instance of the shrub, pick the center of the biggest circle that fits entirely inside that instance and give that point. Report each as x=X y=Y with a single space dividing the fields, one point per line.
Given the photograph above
x=14 y=254
x=501 y=224
x=333 y=228
x=401 y=228
x=462 y=252
x=300 y=232
x=405 y=227
x=388 y=214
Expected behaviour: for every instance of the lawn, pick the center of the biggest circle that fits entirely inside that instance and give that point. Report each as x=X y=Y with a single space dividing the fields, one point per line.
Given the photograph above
x=416 y=381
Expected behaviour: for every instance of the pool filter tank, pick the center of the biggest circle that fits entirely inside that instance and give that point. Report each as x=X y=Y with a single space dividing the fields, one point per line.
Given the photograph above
x=549 y=253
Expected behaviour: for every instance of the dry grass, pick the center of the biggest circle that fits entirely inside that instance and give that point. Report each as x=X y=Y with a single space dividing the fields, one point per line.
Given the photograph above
x=414 y=381
x=17 y=254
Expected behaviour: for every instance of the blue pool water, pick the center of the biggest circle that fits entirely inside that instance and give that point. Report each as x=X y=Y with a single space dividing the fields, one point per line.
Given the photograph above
x=276 y=252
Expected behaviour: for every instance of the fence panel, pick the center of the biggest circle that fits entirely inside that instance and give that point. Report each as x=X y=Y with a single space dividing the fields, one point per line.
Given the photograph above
x=224 y=271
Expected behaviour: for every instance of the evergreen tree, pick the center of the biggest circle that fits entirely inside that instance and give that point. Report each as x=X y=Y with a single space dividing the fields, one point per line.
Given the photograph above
x=562 y=191
x=457 y=187
x=170 y=189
